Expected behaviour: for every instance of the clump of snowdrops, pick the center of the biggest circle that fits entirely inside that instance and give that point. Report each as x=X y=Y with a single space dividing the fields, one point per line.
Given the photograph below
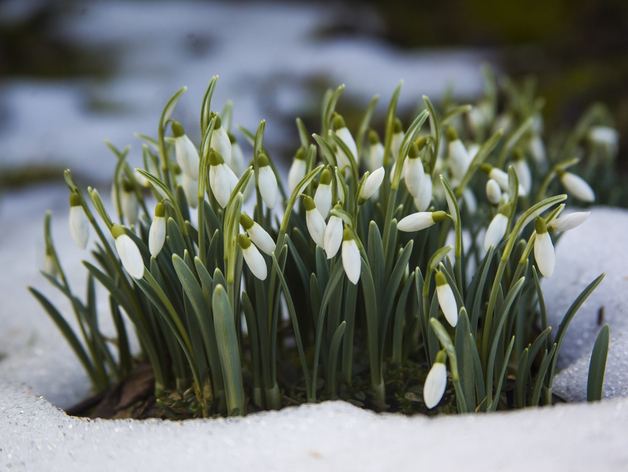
x=399 y=269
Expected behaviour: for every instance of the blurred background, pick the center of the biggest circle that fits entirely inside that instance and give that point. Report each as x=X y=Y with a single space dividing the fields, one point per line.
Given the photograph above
x=73 y=73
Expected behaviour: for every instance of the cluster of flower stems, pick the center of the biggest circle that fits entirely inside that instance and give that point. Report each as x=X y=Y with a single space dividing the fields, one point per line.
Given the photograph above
x=420 y=249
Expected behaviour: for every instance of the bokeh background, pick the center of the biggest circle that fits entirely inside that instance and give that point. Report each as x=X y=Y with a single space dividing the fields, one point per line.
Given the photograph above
x=73 y=73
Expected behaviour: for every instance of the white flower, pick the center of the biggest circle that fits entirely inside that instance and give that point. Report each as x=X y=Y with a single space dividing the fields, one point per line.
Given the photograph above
x=190 y=189
x=345 y=135
x=446 y=299
x=252 y=257
x=315 y=222
x=49 y=267
x=237 y=164
x=185 y=151
x=569 y=221
x=322 y=197
x=397 y=139
x=497 y=228
x=544 y=249
x=341 y=189
x=157 y=233
x=333 y=236
x=376 y=151
x=604 y=136
x=577 y=187
x=458 y=155
x=267 y=182
x=420 y=220
x=128 y=252
x=258 y=235
x=423 y=199
x=372 y=183
x=222 y=180
x=536 y=148
x=414 y=171
x=79 y=224
x=523 y=174
x=403 y=170
x=297 y=171
x=351 y=257
x=493 y=192
x=143 y=181
x=469 y=200
x=435 y=383
x=220 y=141
x=500 y=177
x=129 y=203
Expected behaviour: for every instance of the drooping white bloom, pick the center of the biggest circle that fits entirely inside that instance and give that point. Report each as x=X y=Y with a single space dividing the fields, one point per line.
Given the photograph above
x=185 y=151
x=220 y=141
x=458 y=155
x=333 y=236
x=435 y=384
x=49 y=267
x=322 y=197
x=604 y=136
x=446 y=299
x=258 y=235
x=129 y=204
x=190 y=189
x=493 y=191
x=297 y=170
x=397 y=138
x=345 y=135
x=157 y=233
x=254 y=260
x=376 y=151
x=472 y=150
x=143 y=181
x=544 y=249
x=420 y=220
x=238 y=163
x=523 y=174
x=267 y=182
x=569 y=221
x=470 y=201
x=222 y=180
x=497 y=228
x=315 y=222
x=351 y=261
x=536 y=148
x=79 y=224
x=372 y=184
x=414 y=171
x=500 y=177
x=128 y=252
x=577 y=187
x=423 y=199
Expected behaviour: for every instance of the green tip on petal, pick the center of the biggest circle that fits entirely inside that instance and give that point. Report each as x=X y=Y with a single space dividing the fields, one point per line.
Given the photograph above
x=440 y=279
x=441 y=357
x=422 y=142
x=262 y=160
x=232 y=138
x=373 y=137
x=117 y=230
x=540 y=225
x=308 y=203
x=244 y=241
x=452 y=134
x=438 y=216
x=75 y=199
x=347 y=235
x=339 y=122
x=414 y=151
x=505 y=209
x=160 y=210
x=300 y=155
x=127 y=186
x=218 y=123
x=177 y=129
x=326 y=177
x=486 y=168
x=246 y=221
x=398 y=126
x=519 y=156
x=215 y=159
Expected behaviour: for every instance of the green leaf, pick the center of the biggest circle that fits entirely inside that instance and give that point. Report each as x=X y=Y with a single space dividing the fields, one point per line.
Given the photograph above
x=333 y=357
x=465 y=355
x=597 y=366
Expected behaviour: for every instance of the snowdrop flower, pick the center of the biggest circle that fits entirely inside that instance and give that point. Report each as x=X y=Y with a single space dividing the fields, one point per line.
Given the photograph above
x=351 y=256
x=185 y=151
x=267 y=181
x=423 y=199
x=420 y=220
x=341 y=189
x=345 y=135
x=570 y=221
x=190 y=189
x=79 y=224
x=371 y=184
x=222 y=180
x=497 y=228
x=220 y=141
x=237 y=164
x=446 y=299
x=129 y=204
x=128 y=252
x=397 y=138
x=503 y=122
x=472 y=150
x=143 y=181
x=297 y=170
x=536 y=148
x=315 y=222
x=477 y=119
x=322 y=197
x=435 y=382
x=403 y=170
x=500 y=177
x=470 y=201
x=523 y=172
x=50 y=267
x=604 y=136
x=157 y=233
x=252 y=257
x=458 y=155
x=493 y=192
x=258 y=235
x=333 y=236
x=376 y=151
x=544 y=249
x=414 y=171
x=577 y=186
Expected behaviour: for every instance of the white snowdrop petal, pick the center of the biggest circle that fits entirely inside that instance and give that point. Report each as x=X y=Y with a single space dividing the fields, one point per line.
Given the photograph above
x=495 y=232
x=416 y=221
x=447 y=303
x=220 y=143
x=372 y=183
x=523 y=174
x=423 y=199
x=376 y=156
x=190 y=189
x=255 y=261
x=460 y=159
x=570 y=221
x=578 y=187
x=345 y=135
x=414 y=176
x=470 y=200
x=322 y=198
x=435 y=384
x=268 y=186
x=187 y=156
x=351 y=260
x=49 y=267
x=544 y=254
x=493 y=192
x=296 y=174
x=261 y=238
x=157 y=235
x=395 y=145
x=237 y=164
x=130 y=207
x=79 y=226
x=130 y=256
x=604 y=135
x=333 y=236
x=220 y=183
x=537 y=150
x=316 y=226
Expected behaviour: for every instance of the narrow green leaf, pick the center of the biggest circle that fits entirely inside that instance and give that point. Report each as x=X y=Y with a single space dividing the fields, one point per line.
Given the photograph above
x=597 y=366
